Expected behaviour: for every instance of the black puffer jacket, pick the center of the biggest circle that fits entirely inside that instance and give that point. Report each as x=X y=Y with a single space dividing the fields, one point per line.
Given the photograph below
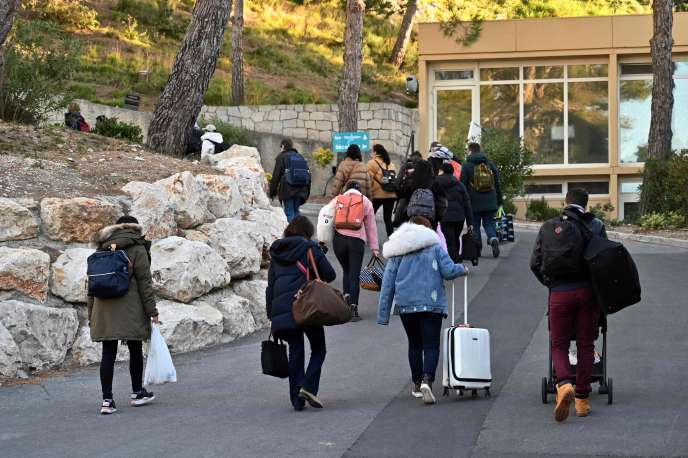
x=285 y=278
x=422 y=176
x=458 y=200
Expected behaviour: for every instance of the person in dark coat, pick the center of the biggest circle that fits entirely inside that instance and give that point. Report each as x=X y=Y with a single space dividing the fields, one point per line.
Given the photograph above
x=290 y=197
x=486 y=203
x=458 y=209
x=285 y=277
x=127 y=318
x=420 y=176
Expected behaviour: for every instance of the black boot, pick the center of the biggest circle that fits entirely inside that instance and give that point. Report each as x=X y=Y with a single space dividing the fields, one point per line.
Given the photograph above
x=354 y=313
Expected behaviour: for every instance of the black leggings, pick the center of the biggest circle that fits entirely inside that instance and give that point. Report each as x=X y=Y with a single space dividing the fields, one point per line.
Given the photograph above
x=387 y=210
x=349 y=253
x=452 y=234
x=107 y=365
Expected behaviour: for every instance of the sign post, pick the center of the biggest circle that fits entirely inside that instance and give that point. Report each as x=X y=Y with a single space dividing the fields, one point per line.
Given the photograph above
x=342 y=140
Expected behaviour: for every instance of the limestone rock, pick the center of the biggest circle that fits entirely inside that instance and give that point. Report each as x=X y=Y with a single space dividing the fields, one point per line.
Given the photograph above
x=254 y=292
x=16 y=221
x=76 y=220
x=271 y=224
x=136 y=188
x=235 y=151
x=86 y=352
x=25 y=270
x=68 y=275
x=10 y=358
x=196 y=236
x=42 y=334
x=184 y=270
x=189 y=198
x=238 y=242
x=236 y=313
x=187 y=327
x=251 y=181
x=155 y=212
x=224 y=197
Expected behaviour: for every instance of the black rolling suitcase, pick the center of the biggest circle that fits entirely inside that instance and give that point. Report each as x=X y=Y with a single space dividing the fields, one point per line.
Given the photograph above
x=469 y=248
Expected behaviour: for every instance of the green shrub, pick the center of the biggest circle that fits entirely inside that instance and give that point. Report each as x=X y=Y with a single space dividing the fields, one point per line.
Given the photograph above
x=323 y=157
x=231 y=135
x=72 y=14
x=658 y=221
x=513 y=160
x=539 y=210
x=601 y=211
x=37 y=71
x=509 y=206
x=112 y=127
x=665 y=185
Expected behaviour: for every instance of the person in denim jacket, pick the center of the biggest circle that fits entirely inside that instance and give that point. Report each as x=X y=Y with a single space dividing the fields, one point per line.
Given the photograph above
x=414 y=281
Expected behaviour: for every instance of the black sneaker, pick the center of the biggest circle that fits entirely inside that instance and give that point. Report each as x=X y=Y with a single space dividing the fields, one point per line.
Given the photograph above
x=354 y=313
x=495 y=248
x=141 y=398
x=108 y=407
x=310 y=398
x=426 y=390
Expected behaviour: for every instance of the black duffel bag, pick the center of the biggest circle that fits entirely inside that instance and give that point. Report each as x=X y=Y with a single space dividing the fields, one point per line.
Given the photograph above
x=273 y=358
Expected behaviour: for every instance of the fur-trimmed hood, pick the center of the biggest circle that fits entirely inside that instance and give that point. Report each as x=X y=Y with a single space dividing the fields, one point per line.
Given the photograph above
x=409 y=238
x=130 y=231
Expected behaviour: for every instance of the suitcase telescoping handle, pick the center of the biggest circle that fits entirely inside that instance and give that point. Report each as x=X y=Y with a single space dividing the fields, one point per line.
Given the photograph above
x=465 y=302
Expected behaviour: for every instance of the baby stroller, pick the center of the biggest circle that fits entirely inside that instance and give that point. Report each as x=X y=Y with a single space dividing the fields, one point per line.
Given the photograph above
x=599 y=370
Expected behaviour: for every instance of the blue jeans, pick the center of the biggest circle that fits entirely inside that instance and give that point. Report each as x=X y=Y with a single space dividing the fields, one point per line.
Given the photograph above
x=291 y=208
x=310 y=379
x=423 y=331
x=487 y=219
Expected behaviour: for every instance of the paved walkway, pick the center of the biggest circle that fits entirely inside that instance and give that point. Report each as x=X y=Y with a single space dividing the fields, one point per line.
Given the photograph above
x=224 y=406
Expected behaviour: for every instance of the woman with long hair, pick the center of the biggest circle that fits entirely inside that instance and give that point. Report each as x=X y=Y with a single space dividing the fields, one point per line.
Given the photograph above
x=377 y=166
x=351 y=169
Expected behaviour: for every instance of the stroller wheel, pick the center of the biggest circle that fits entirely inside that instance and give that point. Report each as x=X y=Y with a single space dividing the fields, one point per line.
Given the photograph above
x=544 y=390
x=610 y=391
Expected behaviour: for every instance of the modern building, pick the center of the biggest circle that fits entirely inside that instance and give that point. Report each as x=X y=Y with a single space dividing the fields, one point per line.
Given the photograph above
x=577 y=90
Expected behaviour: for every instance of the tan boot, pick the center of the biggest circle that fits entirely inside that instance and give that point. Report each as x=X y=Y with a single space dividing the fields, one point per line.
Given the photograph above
x=582 y=407
x=565 y=396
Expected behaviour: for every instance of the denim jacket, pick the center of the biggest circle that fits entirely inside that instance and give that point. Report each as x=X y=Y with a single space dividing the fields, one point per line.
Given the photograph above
x=416 y=269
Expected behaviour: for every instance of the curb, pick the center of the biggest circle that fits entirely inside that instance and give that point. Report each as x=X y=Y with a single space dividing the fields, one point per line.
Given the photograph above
x=642 y=238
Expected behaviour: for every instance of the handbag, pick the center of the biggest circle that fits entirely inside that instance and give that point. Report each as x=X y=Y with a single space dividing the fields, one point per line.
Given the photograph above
x=371 y=275
x=325 y=228
x=389 y=179
x=273 y=358
x=317 y=303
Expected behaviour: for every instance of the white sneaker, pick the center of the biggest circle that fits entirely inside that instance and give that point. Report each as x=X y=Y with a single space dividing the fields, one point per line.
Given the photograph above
x=415 y=391
x=108 y=407
x=426 y=390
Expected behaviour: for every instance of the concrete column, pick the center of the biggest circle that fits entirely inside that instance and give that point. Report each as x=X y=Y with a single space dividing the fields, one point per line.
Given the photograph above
x=423 y=136
x=614 y=132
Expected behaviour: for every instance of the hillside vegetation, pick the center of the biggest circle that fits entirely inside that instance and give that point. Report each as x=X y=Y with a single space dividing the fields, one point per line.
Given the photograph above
x=293 y=49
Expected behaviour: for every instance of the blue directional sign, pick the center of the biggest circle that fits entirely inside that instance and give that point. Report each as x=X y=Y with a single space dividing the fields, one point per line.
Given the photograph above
x=342 y=140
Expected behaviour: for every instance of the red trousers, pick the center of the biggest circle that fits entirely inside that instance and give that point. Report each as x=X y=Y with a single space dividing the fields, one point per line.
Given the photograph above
x=573 y=313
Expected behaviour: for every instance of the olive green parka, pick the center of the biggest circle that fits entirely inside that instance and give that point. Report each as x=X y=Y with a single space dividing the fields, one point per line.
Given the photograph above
x=127 y=317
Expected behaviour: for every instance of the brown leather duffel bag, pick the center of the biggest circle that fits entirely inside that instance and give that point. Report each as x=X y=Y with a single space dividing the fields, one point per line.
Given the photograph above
x=319 y=304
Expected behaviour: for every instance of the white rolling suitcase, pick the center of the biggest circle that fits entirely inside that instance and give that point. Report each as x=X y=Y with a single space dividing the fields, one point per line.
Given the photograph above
x=466 y=353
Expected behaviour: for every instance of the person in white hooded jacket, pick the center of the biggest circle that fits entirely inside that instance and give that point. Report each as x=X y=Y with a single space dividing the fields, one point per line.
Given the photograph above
x=414 y=278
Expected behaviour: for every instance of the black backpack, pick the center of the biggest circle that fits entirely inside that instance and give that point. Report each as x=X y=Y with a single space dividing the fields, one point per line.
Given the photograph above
x=108 y=274
x=563 y=244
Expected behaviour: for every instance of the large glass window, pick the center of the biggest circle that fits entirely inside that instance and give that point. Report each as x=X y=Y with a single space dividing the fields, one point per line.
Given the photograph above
x=539 y=188
x=499 y=107
x=588 y=108
x=543 y=121
x=454 y=116
x=593 y=187
x=447 y=75
x=635 y=109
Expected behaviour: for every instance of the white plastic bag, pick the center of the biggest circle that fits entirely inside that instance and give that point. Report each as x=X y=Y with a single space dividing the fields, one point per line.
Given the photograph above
x=325 y=227
x=159 y=367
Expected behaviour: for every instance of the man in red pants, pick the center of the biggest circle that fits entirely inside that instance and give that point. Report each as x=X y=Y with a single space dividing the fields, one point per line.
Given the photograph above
x=557 y=262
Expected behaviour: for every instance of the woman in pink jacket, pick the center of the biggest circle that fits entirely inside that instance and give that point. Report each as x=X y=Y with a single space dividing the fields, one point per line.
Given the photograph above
x=349 y=247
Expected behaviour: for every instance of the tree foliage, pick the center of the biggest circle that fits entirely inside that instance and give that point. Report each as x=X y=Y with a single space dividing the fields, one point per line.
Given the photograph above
x=512 y=158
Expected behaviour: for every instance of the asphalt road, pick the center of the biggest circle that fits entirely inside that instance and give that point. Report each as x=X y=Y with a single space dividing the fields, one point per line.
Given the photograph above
x=223 y=406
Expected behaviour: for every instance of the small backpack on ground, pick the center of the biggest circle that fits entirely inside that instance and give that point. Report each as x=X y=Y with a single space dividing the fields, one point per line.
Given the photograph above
x=483 y=179
x=349 y=211
x=297 y=173
x=563 y=247
x=422 y=203
x=108 y=274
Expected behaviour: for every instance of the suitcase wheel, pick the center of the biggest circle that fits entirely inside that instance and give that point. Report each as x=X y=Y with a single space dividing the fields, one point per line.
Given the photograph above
x=459 y=392
x=445 y=392
x=544 y=390
x=610 y=391
x=474 y=393
x=487 y=393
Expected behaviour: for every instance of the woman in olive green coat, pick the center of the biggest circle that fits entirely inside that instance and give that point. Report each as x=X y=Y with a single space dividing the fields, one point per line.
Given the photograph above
x=127 y=318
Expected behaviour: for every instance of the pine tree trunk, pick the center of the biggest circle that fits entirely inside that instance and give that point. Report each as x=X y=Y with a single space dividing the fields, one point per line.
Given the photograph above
x=659 y=141
x=399 y=51
x=350 y=84
x=182 y=98
x=8 y=9
x=238 y=53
